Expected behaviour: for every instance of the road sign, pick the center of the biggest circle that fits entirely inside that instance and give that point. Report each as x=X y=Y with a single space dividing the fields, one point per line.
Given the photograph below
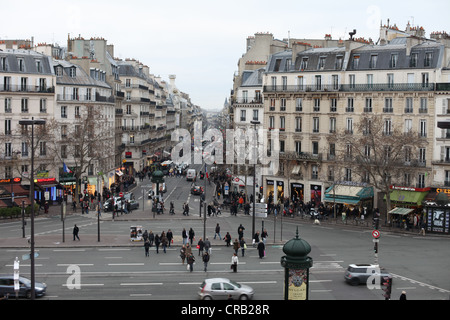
x=376 y=234
x=121 y=194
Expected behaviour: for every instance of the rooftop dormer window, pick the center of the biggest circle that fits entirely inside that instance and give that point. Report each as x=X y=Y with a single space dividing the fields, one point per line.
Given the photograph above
x=73 y=72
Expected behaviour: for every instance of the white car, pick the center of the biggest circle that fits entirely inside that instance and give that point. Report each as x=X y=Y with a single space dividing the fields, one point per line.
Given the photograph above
x=223 y=288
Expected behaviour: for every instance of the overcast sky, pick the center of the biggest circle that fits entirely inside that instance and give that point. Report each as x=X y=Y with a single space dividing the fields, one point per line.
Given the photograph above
x=200 y=41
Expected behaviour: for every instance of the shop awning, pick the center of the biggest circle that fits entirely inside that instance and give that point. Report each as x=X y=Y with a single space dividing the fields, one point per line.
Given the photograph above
x=401 y=211
x=407 y=197
x=339 y=193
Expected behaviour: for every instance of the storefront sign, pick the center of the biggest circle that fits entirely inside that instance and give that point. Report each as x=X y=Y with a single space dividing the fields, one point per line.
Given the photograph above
x=9 y=181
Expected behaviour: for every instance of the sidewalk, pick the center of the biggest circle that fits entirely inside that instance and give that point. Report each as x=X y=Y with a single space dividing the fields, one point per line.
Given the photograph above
x=111 y=240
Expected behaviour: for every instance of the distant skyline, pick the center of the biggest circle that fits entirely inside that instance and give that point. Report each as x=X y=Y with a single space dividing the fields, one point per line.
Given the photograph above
x=201 y=41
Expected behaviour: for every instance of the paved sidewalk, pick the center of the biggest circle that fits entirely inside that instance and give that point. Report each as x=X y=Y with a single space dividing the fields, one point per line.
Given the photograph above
x=111 y=240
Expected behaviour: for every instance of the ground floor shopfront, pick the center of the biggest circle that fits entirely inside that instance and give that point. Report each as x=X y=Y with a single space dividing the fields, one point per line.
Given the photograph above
x=278 y=189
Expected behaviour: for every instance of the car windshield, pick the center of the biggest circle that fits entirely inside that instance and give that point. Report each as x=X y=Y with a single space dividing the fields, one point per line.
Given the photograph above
x=25 y=280
x=237 y=285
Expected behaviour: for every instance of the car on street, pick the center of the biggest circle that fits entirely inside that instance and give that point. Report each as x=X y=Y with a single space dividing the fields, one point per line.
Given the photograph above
x=134 y=204
x=7 y=287
x=196 y=190
x=223 y=289
x=191 y=175
x=360 y=273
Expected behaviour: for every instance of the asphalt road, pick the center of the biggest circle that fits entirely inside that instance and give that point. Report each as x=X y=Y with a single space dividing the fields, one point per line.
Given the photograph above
x=419 y=264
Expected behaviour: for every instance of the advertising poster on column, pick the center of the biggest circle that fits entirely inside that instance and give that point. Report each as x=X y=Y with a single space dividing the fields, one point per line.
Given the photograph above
x=298 y=286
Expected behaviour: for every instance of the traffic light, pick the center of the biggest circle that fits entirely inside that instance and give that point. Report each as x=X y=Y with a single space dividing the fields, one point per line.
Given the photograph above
x=388 y=287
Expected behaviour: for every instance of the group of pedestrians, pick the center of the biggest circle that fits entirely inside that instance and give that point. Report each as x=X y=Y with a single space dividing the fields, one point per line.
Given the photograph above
x=164 y=240
x=204 y=246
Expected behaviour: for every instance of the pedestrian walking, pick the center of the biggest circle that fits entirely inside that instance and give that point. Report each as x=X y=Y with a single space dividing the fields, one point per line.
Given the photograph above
x=200 y=246
x=151 y=238
x=75 y=233
x=191 y=235
x=190 y=262
x=205 y=259
x=157 y=242
x=236 y=246
x=164 y=241
x=227 y=239
x=241 y=231
x=234 y=262
x=217 y=232
x=146 y=247
x=169 y=236
x=183 y=253
x=207 y=246
x=184 y=236
x=243 y=246
x=264 y=236
x=261 y=249
x=423 y=225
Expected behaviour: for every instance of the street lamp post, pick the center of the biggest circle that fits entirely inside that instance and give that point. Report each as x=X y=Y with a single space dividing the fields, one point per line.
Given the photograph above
x=32 y=122
x=255 y=123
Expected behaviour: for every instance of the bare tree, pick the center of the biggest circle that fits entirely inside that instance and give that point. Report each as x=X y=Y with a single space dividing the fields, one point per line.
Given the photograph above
x=85 y=143
x=379 y=153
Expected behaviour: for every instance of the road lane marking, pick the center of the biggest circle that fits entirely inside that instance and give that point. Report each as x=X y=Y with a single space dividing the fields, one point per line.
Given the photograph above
x=142 y=284
x=126 y=264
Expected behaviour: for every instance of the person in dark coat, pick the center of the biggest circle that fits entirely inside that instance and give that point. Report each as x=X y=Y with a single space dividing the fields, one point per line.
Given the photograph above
x=261 y=249
x=147 y=247
x=75 y=233
x=157 y=243
x=403 y=295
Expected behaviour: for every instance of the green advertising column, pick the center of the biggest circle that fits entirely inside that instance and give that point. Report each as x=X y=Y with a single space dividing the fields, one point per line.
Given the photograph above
x=296 y=264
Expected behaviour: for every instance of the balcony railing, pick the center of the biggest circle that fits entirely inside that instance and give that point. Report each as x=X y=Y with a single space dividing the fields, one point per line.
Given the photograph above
x=19 y=88
x=358 y=87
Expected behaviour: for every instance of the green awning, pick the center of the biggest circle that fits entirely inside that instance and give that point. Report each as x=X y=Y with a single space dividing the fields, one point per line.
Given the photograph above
x=410 y=197
x=401 y=211
x=347 y=194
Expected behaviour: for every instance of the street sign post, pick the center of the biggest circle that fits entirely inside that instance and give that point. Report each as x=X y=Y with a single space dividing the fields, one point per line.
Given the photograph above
x=376 y=234
x=260 y=210
x=16 y=277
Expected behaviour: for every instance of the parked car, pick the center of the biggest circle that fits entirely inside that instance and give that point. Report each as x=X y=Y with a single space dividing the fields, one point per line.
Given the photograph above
x=222 y=288
x=196 y=190
x=359 y=273
x=7 y=287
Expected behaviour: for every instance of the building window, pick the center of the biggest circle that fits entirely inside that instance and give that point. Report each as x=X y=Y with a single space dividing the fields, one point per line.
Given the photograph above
x=24 y=105
x=409 y=105
x=304 y=64
x=255 y=115
x=388 y=105
x=42 y=148
x=282 y=123
x=368 y=107
x=243 y=115
x=356 y=62
x=298 y=124
x=283 y=104
x=43 y=105
x=315 y=125
x=428 y=59
x=299 y=105
x=321 y=65
x=423 y=128
x=394 y=60
x=373 y=61
x=387 y=127
x=333 y=105
x=271 y=122
x=298 y=147
x=332 y=125
x=315 y=148
x=316 y=104
x=414 y=60
x=8 y=127
x=63 y=111
x=350 y=104
x=349 y=129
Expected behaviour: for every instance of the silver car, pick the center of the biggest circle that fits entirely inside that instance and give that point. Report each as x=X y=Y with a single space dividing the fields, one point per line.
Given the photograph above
x=223 y=289
x=360 y=273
